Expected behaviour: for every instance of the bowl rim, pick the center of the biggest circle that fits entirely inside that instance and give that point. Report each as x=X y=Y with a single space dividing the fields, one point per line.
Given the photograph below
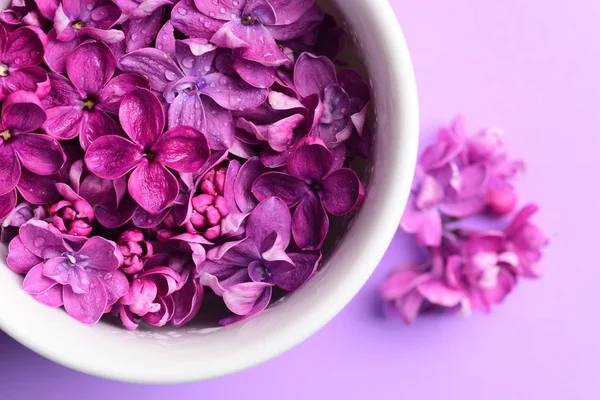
x=387 y=30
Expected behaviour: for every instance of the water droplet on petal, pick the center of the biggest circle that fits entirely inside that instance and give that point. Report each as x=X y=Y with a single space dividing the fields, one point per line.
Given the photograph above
x=212 y=13
x=236 y=3
x=207 y=24
x=207 y=67
x=39 y=242
x=182 y=10
x=222 y=10
x=144 y=31
x=215 y=2
x=188 y=62
x=17 y=61
x=170 y=75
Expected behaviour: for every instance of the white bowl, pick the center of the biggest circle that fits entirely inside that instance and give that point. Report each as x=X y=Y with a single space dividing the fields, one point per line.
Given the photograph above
x=194 y=353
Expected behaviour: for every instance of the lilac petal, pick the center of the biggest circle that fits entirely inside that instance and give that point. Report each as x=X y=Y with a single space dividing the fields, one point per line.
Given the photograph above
x=165 y=39
x=279 y=135
x=335 y=133
x=270 y=216
x=232 y=93
x=248 y=173
x=409 y=306
x=430 y=194
x=241 y=299
x=96 y=190
x=22 y=112
x=40 y=241
x=235 y=35
x=281 y=101
x=153 y=187
x=111 y=157
x=64 y=122
x=473 y=179
x=88 y=307
x=401 y=282
x=313 y=74
x=286 y=187
x=25 y=46
x=10 y=169
x=91 y=66
x=305 y=24
x=116 y=284
x=255 y=74
x=100 y=254
x=187 y=302
x=56 y=52
x=112 y=219
x=521 y=220
x=19 y=258
x=438 y=293
x=35 y=282
x=290 y=279
x=164 y=314
x=154 y=65
x=32 y=79
x=52 y=297
x=47 y=8
x=111 y=95
x=342 y=192
x=357 y=89
x=183 y=149
x=38 y=189
x=62 y=93
x=195 y=56
x=108 y=36
x=463 y=208
x=425 y=224
x=233 y=169
x=336 y=104
x=59 y=270
x=8 y=203
x=259 y=305
x=310 y=223
x=187 y=110
x=40 y=154
x=241 y=253
x=186 y=18
x=222 y=9
x=311 y=162
x=505 y=283
x=219 y=125
x=140 y=32
x=140 y=295
x=142 y=117
x=94 y=125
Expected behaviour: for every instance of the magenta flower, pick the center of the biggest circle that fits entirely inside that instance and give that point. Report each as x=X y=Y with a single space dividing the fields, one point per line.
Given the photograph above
x=20 y=53
x=141 y=8
x=526 y=240
x=83 y=276
x=252 y=26
x=19 y=215
x=197 y=95
x=344 y=99
x=315 y=187
x=243 y=272
x=148 y=152
x=79 y=106
x=21 y=12
x=40 y=154
x=72 y=215
x=36 y=189
x=135 y=249
x=76 y=20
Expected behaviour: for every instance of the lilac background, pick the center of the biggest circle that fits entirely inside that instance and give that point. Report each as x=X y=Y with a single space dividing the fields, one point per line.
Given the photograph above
x=532 y=68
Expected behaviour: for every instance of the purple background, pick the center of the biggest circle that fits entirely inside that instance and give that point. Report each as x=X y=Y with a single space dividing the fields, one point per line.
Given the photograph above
x=532 y=68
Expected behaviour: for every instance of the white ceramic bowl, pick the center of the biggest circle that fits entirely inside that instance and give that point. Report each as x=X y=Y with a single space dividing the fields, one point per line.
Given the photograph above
x=194 y=353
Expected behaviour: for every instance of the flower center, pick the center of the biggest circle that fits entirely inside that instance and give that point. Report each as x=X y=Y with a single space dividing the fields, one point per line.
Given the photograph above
x=71 y=261
x=5 y=135
x=78 y=25
x=248 y=20
x=89 y=104
x=3 y=69
x=317 y=186
x=150 y=155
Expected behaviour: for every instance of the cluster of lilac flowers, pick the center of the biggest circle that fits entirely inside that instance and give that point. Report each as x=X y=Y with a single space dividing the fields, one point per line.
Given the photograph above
x=158 y=156
x=462 y=211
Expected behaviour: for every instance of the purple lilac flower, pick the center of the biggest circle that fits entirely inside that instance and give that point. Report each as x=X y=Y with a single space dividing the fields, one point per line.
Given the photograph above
x=21 y=12
x=35 y=189
x=243 y=272
x=78 y=106
x=315 y=187
x=197 y=95
x=83 y=275
x=17 y=217
x=75 y=21
x=20 y=53
x=135 y=249
x=344 y=98
x=141 y=8
x=40 y=154
x=148 y=152
x=73 y=214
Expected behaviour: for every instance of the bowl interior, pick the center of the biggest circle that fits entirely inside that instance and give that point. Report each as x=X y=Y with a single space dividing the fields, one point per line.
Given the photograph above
x=164 y=355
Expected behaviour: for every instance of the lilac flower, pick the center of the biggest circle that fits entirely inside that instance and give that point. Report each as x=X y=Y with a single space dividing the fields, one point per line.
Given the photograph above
x=344 y=98
x=526 y=240
x=76 y=20
x=20 y=53
x=79 y=106
x=40 y=154
x=141 y=8
x=316 y=188
x=18 y=215
x=83 y=276
x=35 y=189
x=197 y=95
x=251 y=26
x=21 y=12
x=243 y=272
x=135 y=249
x=72 y=215
x=148 y=153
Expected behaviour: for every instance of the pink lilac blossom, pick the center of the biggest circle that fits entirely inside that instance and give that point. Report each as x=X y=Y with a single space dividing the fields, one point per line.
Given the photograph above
x=161 y=157
x=468 y=269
